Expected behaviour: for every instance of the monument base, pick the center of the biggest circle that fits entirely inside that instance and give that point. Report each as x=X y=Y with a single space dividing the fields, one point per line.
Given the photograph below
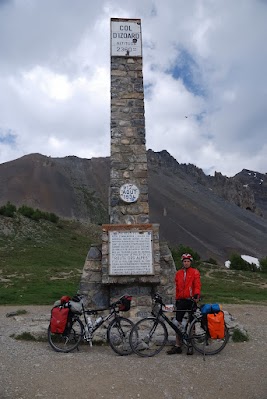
x=100 y=292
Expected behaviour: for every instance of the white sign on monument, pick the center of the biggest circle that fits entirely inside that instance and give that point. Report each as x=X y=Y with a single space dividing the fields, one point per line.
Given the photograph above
x=130 y=253
x=126 y=38
x=129 y=193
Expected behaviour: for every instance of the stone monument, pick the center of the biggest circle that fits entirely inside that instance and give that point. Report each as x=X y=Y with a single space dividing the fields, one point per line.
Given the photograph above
x=131 y=258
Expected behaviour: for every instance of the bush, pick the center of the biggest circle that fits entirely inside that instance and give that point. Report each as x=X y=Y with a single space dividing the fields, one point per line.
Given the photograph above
x=239 y=336
x=182 y=249
x=8 y=210
x=26 y=211
x=238 y=263
x=53 y=218
x=36 y=214
x=263 y=265
x=253 y=267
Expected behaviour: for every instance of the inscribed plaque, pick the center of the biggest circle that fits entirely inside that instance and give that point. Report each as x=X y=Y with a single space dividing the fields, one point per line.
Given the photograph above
x=126 y=38
x=130 y=253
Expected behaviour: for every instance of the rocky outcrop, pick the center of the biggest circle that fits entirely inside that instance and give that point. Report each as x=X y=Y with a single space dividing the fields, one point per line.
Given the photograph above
x=235 y=192
x=233 y=189
x=257 y=183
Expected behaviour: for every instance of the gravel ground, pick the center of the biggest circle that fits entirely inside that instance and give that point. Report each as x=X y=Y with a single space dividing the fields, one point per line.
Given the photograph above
x=33 y=370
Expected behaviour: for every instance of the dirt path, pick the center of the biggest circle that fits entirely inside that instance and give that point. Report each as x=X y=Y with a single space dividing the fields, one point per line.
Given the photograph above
x=33 y=370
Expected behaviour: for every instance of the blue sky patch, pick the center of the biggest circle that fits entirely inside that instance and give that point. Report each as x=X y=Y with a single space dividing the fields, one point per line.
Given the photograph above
x=186 y=69
x=7 y=137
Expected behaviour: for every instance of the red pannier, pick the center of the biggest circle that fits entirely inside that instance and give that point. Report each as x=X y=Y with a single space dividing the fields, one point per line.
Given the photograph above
x=59 y=319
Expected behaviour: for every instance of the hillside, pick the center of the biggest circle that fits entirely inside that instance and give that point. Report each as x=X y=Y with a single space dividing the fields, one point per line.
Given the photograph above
x=41 y=261
x=214 y=215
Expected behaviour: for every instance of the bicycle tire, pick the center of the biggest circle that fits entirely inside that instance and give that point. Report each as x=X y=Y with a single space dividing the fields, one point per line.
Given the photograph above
x=118 y=335
x=148 y=337
x=68 y=341
x=201 y=341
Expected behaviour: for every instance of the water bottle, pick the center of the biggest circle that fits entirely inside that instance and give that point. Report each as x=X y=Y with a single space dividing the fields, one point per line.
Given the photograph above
x=89 y=322
x=98 y=321
x=176 y=323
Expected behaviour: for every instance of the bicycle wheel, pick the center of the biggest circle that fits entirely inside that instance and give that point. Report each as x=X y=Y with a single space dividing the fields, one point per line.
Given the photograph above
x=69 y=340
x=148 y=337
x=201 y=341
x=118 y=335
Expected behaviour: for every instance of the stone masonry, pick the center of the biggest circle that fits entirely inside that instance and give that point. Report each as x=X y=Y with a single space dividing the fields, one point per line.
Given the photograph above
x=128 y=143
x=100 y=295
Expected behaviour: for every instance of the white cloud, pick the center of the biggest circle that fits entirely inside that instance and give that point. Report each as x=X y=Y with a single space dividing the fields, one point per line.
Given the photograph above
x=52 y=85
x=204 y=72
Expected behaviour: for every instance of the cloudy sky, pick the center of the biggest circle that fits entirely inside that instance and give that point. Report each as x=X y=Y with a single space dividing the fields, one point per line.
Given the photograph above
x=204 y=66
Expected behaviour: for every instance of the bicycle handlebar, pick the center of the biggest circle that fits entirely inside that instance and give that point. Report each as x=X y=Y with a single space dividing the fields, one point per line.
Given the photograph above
x=158 y=299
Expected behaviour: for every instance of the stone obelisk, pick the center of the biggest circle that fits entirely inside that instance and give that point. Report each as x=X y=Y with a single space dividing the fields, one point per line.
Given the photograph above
x=128 y=178
x=130 y=259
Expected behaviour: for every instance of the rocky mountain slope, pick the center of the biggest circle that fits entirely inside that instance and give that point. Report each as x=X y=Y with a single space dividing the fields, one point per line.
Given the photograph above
x=256 y=182
x=214 y=215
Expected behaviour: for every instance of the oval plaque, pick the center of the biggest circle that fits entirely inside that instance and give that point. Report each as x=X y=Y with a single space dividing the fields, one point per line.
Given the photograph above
x=129 y=193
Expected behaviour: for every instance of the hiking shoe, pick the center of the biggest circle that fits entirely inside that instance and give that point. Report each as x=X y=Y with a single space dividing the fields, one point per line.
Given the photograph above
x=174 y=350
x=190 y=350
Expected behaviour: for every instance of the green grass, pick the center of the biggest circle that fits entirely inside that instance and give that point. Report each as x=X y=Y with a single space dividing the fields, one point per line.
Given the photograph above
x=239 y=336
x=25 y=336
x=39 y=267
x=231 y=286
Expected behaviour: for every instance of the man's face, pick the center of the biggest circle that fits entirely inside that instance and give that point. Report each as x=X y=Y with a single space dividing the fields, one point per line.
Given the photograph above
x=186 y=263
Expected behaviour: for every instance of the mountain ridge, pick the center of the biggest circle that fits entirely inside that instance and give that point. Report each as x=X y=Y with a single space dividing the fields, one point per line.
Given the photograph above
x=215 y=215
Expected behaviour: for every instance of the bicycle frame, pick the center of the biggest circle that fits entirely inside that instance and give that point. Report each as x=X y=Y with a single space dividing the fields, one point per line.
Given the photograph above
x=89 y=328
x=94 y=312
x=80 y=327
x=192 y=316
x=150 y=334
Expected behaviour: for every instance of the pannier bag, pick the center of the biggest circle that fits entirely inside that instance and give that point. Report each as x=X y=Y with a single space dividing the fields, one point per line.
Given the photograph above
x=59 y=319
x=75 y=307
x=210 y=308
x=215 y=323
x=125 y=303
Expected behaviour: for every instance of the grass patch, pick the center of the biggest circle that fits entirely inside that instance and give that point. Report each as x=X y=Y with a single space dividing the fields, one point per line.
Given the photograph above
x=21 y=311
x=18 y=312
x=41 y=270
x=239 y=336
x=25 y=336
x=231 y=286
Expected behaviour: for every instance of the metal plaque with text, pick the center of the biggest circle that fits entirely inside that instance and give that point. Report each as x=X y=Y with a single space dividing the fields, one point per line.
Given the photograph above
x=130 y=253
x=126 y=38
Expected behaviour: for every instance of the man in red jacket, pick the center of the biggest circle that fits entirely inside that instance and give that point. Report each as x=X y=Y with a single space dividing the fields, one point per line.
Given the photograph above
x=187 y=282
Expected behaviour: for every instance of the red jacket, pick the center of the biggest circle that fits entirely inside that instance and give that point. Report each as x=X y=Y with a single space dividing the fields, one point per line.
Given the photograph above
x=187 y=283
